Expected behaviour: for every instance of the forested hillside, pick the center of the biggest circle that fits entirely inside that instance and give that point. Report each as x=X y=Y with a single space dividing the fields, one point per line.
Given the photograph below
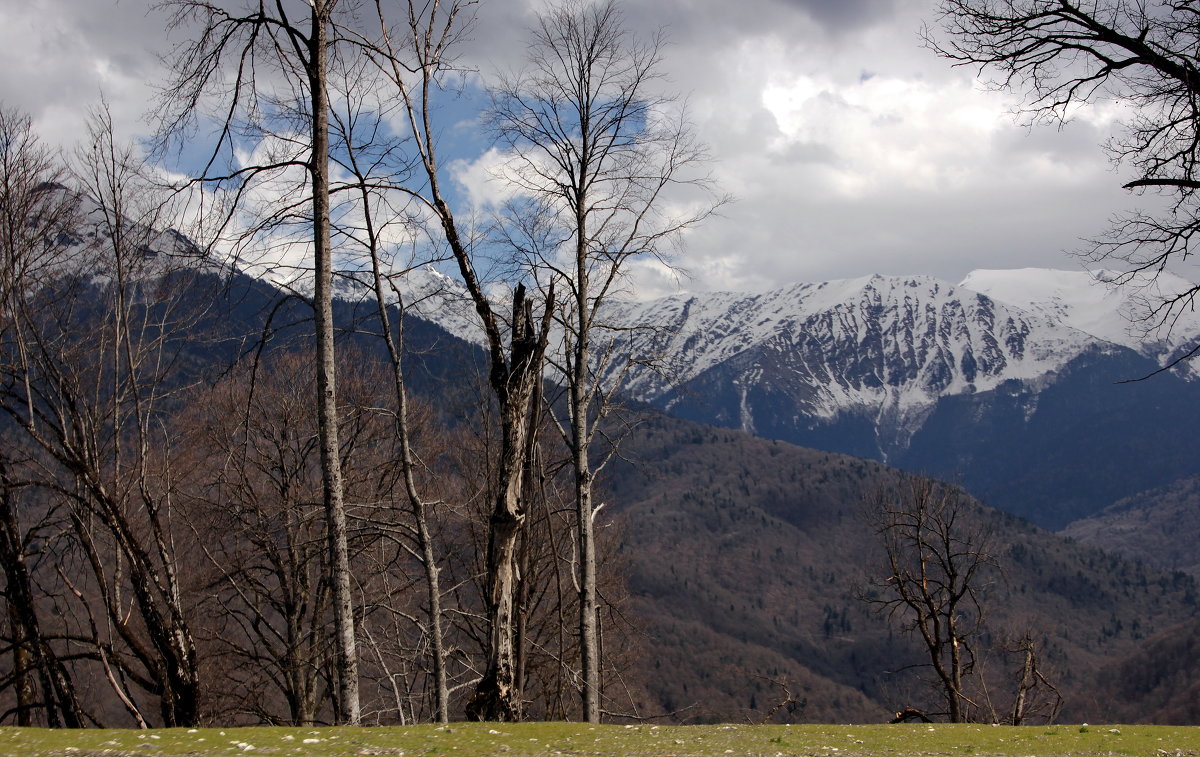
x=1160 y=526
x=244 y=479
x=746 y=555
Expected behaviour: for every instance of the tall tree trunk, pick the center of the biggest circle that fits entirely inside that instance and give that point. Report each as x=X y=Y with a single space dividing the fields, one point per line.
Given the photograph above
x=496 y=696
x=433 y=588
x=581 y=390
x=956 y=665
x=578 y=124
x=22 y=681
x=524 y=582
x=21 y=618
x=327 y=411
x=589 y=649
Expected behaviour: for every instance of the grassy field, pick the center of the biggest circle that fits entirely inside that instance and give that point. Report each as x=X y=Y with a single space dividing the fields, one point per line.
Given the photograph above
x=576 y=739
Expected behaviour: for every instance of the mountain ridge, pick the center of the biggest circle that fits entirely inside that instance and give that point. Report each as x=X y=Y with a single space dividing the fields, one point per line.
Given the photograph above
x=883 y=346
x=895 y=344
x=931 y=377
x=1104 y=303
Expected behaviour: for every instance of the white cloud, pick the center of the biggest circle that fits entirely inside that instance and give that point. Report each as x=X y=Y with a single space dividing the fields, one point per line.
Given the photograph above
x=481 y=180
x=851 y=149
x=854 y=150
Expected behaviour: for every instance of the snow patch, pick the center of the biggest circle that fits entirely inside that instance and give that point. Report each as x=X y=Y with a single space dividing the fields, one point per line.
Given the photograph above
x=1102 y=303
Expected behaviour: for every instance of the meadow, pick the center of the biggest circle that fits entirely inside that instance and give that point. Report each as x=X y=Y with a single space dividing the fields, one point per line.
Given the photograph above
x=512 y=740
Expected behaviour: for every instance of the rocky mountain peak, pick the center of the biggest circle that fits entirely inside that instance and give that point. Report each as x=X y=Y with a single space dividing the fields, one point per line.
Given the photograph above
x=887 y=346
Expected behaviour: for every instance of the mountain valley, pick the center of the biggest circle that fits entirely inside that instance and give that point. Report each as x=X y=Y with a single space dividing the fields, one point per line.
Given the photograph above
x=744 y=554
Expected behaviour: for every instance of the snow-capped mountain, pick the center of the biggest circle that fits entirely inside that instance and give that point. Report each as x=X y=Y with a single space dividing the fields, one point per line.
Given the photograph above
x=84 y=245
x=1017 y=393
x=1124 y=313
x=880 y=351
x=422 y=291
x=883 y=349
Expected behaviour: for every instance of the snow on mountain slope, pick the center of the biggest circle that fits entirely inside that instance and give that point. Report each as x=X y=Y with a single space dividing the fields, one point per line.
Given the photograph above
x=1090 y=302
x=868 y=341
x=883 y=350
x=426 y=292
x=84 y=245
x=877 y=350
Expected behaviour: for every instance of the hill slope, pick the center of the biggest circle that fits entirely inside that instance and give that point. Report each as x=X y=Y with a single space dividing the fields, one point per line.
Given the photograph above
x=745 y=554
x=1160 y=526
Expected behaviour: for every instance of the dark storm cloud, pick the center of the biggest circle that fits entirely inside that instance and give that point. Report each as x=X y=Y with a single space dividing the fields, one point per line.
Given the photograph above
x=838 y=15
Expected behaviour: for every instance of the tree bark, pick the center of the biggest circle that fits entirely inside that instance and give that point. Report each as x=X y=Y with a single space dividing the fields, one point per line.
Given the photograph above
x=30 y=651
x=581 y=388
x=496 y=696
x=1024 y=684
x=327 y=410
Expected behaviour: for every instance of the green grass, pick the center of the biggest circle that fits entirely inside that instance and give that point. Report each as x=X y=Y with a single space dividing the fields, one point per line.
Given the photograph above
x=467 y=739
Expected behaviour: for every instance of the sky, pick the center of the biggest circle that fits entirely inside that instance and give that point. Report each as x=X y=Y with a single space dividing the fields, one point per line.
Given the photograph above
x=850 y=148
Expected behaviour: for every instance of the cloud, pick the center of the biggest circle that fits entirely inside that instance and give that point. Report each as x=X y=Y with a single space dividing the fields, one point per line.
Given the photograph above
x=851 y=149
x=837 y=15
x=58 y=57
x=479 y=180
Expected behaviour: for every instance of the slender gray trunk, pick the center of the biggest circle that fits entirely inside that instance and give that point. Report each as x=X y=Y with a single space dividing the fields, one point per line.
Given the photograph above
x=327 y=411
x=589 y=650
x=420 y=509
x=433 y=587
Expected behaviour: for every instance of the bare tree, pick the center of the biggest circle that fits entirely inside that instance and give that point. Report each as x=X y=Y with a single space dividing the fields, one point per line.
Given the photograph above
x=594 y=151
x=1066 y=53
x=392 y=331
x=1036 y=696
x=416 y=52
x=224 y=60
x=36 y=221
x=937 y=563
x=378 y=227
x=253 y=485
x=97 y=331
